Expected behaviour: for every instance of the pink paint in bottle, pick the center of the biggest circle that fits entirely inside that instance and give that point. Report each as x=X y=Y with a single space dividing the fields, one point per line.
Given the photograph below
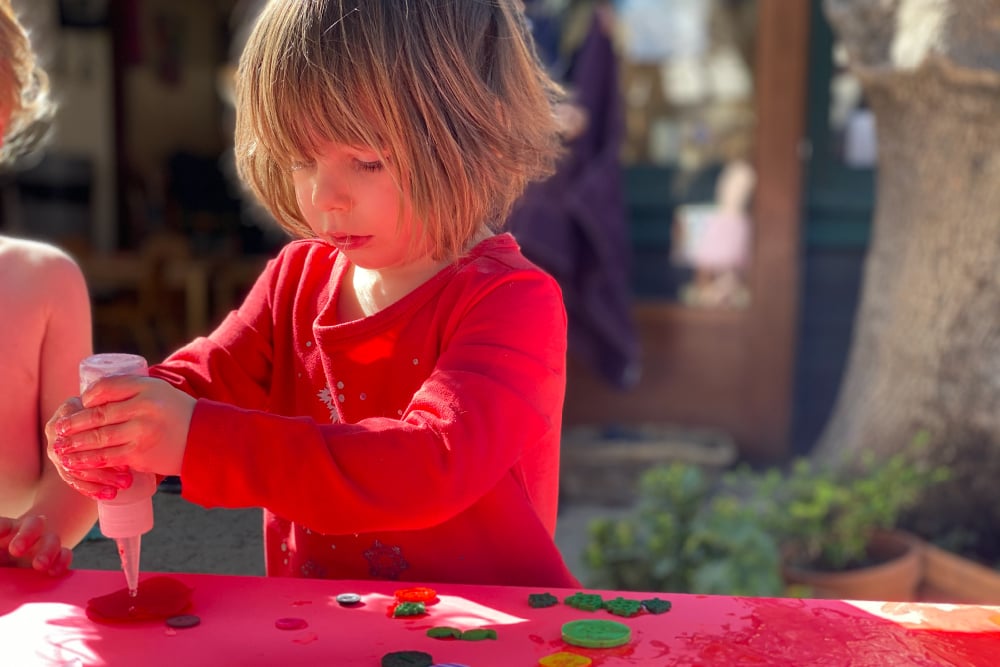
x=129 y=514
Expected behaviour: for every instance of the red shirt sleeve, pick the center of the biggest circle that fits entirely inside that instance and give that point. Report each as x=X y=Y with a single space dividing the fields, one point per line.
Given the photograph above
x=494 y=395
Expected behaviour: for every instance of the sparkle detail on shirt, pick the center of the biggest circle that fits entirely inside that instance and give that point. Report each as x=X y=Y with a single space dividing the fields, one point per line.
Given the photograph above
x=326 y=396
x=312 y=570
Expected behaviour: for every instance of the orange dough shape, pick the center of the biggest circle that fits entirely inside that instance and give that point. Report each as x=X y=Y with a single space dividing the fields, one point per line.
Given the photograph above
x=417 y=594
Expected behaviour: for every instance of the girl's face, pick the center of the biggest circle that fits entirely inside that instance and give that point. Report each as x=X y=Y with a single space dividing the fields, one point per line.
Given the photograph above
x=349 y=199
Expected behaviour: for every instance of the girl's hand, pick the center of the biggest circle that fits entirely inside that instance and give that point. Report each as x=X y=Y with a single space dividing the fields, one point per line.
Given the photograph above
x=124 y=421
x=97 y=484
x=26 y=542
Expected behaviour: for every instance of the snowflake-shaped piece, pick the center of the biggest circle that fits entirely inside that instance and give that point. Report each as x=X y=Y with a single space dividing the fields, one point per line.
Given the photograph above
x=385 y=561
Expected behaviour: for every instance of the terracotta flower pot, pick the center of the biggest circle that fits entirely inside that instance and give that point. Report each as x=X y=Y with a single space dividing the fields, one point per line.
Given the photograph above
x=949 y=577
x=896 y=578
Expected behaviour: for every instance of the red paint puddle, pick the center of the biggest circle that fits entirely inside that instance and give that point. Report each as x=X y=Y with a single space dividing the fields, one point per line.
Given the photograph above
x=306 y=638
x=157 y=598
x=602 y=655
x=805 y=635
x=663 y=648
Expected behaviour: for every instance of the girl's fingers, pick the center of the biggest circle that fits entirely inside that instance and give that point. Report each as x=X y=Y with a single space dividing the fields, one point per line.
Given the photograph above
x=110 y=460
x=69 y=407
x=104 y=477
x=32 y=528
x=107 y=401
x=98 y=439
x=94 y=436
x=61 y=563
x=7 y=526
x=96 y=490
x=45 y=552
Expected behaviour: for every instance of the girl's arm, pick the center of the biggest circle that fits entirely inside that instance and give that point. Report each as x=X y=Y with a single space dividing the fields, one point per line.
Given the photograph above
x=137 y=415
x=59 y=517
x=495 y=394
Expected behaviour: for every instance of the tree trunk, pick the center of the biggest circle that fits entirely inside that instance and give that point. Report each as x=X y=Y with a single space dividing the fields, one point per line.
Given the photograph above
x=926 y=348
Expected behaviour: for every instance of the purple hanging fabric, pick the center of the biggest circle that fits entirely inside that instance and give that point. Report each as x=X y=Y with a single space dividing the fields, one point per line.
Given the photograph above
x=574 y=225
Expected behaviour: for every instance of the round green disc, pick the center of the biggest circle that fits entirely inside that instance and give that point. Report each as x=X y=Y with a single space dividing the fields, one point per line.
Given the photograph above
x=596 y=634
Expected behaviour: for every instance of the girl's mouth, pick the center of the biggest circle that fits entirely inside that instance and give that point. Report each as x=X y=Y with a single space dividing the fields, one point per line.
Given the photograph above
x=349 y=241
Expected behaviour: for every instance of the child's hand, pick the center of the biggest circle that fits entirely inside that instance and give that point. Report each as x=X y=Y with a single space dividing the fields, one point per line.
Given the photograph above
x=96 y=484
x=125 y=421
x=26 y=542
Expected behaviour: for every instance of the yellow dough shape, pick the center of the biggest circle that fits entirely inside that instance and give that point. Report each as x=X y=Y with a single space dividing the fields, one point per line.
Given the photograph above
x=564 y=659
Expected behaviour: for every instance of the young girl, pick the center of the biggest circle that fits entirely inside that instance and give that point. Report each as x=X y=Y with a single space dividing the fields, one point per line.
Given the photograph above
x=391 y=389
x=44 y=332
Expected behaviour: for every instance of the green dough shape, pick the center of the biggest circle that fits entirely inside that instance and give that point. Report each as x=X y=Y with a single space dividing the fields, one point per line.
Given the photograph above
x=409 y=609
x=407 y=659
x=585 y=601
x=542 y=600
x=657 y=606
x=623 y=607
x=444 y=632
x=478 y=634
x=596 y=634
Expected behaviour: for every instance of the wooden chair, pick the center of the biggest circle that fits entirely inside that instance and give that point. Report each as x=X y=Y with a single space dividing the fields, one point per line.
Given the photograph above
x=135 y=306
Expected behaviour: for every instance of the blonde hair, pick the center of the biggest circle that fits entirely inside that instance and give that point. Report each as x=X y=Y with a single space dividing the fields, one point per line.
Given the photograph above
x=451 y=90
x=24 y=89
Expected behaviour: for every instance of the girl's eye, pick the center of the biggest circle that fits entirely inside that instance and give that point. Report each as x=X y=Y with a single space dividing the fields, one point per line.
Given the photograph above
x=368 y=166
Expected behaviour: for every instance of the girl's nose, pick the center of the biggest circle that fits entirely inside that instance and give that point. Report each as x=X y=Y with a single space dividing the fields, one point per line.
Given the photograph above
x=330 y=193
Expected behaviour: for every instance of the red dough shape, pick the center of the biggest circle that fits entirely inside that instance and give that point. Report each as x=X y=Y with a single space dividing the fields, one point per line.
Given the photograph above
x=158 y=598
x=417 y=594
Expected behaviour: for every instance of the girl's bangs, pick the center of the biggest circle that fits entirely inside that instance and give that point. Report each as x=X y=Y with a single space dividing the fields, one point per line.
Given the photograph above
x=304 y=117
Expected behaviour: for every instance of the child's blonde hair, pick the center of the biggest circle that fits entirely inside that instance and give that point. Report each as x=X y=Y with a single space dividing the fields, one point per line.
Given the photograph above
x=450 y=90
x=24 y=89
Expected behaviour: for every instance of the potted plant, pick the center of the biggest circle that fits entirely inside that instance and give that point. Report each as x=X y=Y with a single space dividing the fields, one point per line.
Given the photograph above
x=683 y=536
x=951 y=574
x=837 y=526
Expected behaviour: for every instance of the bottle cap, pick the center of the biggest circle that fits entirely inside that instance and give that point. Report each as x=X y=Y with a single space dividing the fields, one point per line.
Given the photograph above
x=98 y=366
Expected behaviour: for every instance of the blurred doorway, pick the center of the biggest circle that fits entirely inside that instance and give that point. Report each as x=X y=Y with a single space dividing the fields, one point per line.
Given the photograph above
x=715 y=122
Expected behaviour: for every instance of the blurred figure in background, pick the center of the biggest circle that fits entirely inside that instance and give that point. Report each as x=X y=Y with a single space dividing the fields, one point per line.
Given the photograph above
x=574 y=224
x=44 y=333
x=720 y=253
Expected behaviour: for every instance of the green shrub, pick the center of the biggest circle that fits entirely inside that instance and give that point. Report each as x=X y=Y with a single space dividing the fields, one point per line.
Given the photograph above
x=823 y=516
x=684 y=538
x=694 y=535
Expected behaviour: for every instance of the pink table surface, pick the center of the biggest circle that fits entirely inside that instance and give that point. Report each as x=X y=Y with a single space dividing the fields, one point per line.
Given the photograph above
x=42 y=622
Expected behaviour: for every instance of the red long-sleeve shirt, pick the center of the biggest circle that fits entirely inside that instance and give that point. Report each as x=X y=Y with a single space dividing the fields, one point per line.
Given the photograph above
x=420 y=443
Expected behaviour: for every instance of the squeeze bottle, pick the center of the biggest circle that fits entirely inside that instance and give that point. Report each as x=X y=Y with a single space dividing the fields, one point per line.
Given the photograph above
x=130 y=513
